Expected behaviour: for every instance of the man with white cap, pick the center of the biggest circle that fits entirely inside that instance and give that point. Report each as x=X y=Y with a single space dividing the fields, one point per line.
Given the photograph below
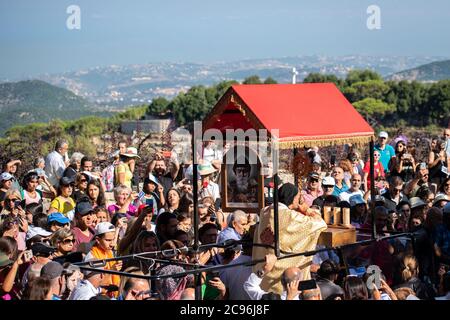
x=105 y=236
x=386 y=150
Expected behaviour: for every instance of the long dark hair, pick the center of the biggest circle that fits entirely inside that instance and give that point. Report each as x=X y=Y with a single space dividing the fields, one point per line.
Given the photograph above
x=355 y=289
x=101 y=194
x=186 y=200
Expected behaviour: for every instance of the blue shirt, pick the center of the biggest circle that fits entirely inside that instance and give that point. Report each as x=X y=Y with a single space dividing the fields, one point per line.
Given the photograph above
x=337 y=191
x=227 y=234
x=386 y=154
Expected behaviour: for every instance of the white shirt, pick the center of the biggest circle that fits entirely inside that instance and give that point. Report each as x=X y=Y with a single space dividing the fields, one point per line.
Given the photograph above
x=345 y=196
x=210 y=154
x=84 y=291
x=212 y=190
x=234 y=278
x=54 y=167
x=254 y=291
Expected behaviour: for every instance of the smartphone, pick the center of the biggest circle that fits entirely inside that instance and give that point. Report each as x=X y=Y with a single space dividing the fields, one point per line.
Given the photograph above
x=17 y=203
x=28 y=255
x=333 y=160
x=149 y=202
x=307 y=285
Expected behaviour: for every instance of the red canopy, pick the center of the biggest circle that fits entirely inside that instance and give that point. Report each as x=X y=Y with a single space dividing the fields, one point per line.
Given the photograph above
x=305 y=114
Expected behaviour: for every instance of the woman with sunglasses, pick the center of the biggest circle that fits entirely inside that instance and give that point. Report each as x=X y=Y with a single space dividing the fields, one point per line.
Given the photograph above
x=444 y=187
x=403 y=164
x=378 y=170
x=12 y=205
x=63 y=240
x=30 y=194
x=81 y=186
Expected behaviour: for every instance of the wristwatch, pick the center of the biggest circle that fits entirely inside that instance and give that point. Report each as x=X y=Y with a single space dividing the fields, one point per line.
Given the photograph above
x=260 y=273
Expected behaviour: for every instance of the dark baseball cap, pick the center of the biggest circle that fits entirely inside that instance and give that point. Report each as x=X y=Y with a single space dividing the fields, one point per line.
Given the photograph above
x=83 y=208
x=52 y=270
x=65 y=181
x=40 y=249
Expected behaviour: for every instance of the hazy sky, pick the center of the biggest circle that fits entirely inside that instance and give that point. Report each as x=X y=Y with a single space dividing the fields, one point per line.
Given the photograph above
x=34 y=38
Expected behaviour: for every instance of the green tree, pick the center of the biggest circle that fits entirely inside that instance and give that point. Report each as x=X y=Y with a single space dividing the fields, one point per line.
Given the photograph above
x=270 y=80
x=370 y=107
x=324 y=78
x=438 y=103
x=375 y=89
x=158 y=106
x=361 y=76
x=252 y=80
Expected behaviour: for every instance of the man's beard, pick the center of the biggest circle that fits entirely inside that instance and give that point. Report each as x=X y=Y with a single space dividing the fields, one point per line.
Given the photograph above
x=242 y=184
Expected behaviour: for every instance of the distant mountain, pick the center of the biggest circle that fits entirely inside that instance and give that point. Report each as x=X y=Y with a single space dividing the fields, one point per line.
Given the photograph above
x=118 y=86
x=37 y=101
x=435 y=71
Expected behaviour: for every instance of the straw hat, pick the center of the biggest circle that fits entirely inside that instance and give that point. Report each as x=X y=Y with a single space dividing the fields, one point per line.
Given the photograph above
x=131 y=153
x=205 y=169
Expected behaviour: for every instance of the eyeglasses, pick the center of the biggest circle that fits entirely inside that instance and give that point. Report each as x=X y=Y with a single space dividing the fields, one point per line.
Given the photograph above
x=328 y=187
x=68 y=241
x=447 y=185
x=430 y=200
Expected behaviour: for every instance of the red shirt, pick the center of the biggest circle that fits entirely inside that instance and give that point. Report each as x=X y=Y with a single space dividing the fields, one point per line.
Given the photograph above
x=378 y=171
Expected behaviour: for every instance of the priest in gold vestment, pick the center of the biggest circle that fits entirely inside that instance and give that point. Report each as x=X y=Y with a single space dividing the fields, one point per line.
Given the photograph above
x=298 y=232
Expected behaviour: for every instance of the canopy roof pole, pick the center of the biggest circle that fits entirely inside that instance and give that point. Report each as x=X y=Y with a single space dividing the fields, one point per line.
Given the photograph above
x=372 y=188
x=275 y=198
x=295 y=174
x=198 y=295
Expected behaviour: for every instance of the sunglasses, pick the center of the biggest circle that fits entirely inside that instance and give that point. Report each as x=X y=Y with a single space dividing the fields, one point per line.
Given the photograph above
x=83 y=180
x=328 y=187
x=68 y=241
x=313 y=180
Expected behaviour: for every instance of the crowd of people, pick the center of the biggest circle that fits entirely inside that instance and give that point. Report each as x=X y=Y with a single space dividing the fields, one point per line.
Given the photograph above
x=66 y=211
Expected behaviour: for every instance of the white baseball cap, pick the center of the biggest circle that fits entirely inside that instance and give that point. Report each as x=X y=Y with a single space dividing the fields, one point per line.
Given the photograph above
x=104 y=227
x=6 y=176
x=328 y=181
x=383 y=134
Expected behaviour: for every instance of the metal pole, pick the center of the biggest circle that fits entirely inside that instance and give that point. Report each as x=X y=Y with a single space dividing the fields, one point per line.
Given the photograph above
x=275 y=200
x=372 y=188
x=295 y=174
x=198 y=285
